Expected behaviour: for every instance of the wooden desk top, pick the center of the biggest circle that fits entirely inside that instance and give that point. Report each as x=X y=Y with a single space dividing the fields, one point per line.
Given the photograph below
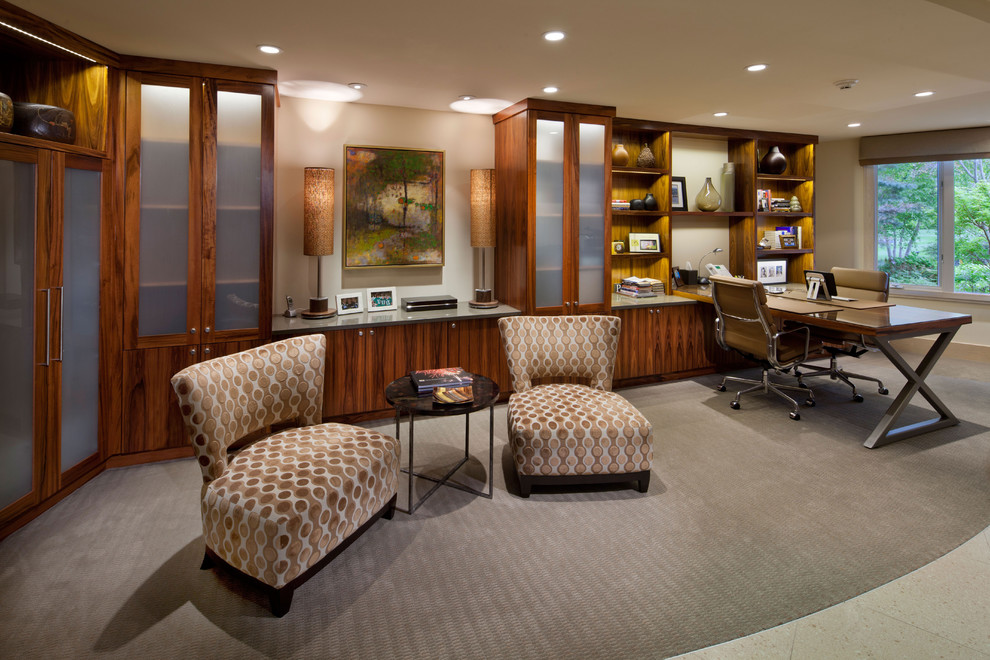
x=893 y=320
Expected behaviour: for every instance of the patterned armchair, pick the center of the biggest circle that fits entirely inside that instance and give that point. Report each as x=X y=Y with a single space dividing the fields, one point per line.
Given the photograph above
x=566 y=432
x=284 y=506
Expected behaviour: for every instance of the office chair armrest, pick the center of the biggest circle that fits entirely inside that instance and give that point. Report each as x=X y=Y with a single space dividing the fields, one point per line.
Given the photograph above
x=775 y=339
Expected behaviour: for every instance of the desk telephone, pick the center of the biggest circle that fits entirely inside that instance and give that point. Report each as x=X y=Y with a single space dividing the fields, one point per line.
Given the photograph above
x=718 y=269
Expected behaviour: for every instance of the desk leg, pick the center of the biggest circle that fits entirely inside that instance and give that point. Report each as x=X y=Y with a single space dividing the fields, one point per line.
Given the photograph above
x=884 y=433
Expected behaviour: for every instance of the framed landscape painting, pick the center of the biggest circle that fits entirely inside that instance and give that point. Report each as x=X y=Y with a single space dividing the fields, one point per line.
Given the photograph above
x=393 y=207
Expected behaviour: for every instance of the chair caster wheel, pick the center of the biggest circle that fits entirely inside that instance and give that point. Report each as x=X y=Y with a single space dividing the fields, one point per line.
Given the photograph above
x=795 y=415
x=858 y=398
x=720 y=388
x=883 y=390
x=810 y=403
x=734 y=405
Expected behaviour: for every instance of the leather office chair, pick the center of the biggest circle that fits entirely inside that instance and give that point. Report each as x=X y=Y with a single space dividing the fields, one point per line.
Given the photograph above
x=860 y=285
x=281 y=508
x=745 y=324
x=568 y=433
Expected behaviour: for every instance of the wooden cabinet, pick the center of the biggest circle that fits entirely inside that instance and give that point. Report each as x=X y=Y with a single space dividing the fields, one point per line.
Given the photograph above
x=553 y=179
x=198 y=235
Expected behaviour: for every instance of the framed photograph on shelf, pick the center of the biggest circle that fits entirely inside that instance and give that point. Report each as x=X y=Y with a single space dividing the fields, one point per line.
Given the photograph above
x=678 y=202
x=770 y=271
x=393 y=207
x=644 y=243
x=788 y=241
x=381 y=299
x=350 y=303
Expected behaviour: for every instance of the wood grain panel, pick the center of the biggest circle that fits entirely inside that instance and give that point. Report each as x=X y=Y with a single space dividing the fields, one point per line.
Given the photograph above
x=476 y=345
x=345 y=384
x=151 y=417
x=512 y=210
x=639 y=346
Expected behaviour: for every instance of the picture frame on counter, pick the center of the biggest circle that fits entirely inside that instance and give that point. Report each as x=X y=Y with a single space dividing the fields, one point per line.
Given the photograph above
x=382 y=299
x=641 y=243
x=350 y=303
x=771 y=271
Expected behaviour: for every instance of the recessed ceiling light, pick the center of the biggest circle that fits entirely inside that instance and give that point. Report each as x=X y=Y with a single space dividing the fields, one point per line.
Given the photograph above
x=467 y=97
x=550 y=90
x=855 y=124
x=925 y=93
x=553 y=35
x=720 y=114
x=480 y=106
x=319 y=90
x=268 y=48
x=756 y=67
x=356 y=85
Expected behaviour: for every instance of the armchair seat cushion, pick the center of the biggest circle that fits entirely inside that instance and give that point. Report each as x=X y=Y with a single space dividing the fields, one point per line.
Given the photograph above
x=286 y=501
x=569 y=429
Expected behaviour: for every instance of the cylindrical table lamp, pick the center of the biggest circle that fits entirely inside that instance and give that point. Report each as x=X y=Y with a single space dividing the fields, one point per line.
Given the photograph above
x=483 y=228
x=318 y=232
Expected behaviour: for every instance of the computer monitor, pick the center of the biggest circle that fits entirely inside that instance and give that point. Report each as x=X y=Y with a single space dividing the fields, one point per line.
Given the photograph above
x=821 y=284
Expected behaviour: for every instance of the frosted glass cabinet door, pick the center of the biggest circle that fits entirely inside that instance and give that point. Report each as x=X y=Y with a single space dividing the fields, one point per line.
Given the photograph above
x=18 y=296
x=549 y=249
x=238 y=228
x=591 y=214
x=164 y=231
x=80 y=305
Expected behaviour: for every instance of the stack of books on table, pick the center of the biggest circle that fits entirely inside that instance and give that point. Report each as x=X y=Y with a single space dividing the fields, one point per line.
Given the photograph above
x=641 y=287
x=778 y=204
x=426 y=380
x=620 y=204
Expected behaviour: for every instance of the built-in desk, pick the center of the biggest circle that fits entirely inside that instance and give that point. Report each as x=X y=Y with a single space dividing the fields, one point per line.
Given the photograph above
x=368 y=350
x=880 y=326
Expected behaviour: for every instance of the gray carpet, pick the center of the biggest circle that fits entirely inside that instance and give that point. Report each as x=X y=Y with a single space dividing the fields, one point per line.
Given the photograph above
x=751 y=520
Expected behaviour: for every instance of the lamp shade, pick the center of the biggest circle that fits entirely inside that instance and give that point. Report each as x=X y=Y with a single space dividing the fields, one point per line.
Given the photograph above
x=482 y=208
x=318 y=211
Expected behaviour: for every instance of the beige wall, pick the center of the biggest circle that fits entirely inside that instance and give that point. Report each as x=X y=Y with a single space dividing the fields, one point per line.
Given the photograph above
x=842 y=228
x=313 y=134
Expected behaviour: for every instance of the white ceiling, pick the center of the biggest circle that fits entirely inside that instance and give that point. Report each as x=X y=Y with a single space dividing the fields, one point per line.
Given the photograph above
x=668 y=60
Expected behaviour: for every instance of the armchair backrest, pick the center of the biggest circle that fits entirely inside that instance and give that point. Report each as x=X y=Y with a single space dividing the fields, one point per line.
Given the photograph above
x=226 y=398
x=744 y=321
x=861 y=284
x=560 y=347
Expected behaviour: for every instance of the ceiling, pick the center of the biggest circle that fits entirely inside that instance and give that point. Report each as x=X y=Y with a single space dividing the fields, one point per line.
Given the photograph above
x=668 y=60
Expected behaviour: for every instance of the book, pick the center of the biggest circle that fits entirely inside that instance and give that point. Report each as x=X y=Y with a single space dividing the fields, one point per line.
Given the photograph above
x=425 y=380
x=453 y=395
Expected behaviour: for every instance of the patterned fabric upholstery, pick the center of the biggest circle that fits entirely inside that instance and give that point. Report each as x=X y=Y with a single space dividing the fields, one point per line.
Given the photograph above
x=284 y=502
x=561 y=429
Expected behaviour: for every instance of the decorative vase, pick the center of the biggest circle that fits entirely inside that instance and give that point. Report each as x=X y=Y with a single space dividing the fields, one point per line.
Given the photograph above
x=650 y=202
x=796 y=204
x=6 y=113
x=646 y=158
x=728 y=187
x=45 y=121
x=708 y=198
x=773 y=162
x=637 y=205
x=620 y=157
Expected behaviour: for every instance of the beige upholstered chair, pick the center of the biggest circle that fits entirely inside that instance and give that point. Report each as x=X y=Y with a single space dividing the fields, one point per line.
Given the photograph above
x=282 y=507
x=744 y=323
x=860 y=285
x=566 y=432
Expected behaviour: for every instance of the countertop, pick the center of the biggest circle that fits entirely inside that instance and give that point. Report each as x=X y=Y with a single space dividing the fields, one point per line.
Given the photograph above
x=283 y=326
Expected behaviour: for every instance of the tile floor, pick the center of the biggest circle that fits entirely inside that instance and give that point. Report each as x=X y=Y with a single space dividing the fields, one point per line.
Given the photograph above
x=941 y=610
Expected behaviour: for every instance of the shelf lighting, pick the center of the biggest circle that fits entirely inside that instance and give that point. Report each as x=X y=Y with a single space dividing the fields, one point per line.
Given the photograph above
x=554 y=35
x=45 y=41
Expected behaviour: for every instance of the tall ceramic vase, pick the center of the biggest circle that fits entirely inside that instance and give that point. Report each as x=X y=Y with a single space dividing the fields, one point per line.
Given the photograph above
x=708 y=198
x=773 y=162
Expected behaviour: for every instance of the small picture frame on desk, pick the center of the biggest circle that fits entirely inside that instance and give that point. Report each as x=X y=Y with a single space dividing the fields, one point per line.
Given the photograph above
x=350 y=303
x=788 y=241
x=644 y=243
x=678 y=202
x=770 y=271
x=381 y=299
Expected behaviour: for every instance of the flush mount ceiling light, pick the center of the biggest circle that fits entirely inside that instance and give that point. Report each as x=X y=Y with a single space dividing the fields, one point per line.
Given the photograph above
x=550 y=89
x=554 y=35
x=855 y=124
x=846 y=83
x=476 y=106
x=467 y=97
x=356 y=85
x=319 y=90
x=268 y=48
x=720 y=114
x=924 y=93
x=756 y=67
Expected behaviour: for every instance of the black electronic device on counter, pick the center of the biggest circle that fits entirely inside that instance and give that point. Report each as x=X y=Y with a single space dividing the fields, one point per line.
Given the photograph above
x=426 y=303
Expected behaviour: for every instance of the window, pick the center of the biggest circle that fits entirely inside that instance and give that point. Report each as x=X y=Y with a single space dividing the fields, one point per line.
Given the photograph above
x=933 y=225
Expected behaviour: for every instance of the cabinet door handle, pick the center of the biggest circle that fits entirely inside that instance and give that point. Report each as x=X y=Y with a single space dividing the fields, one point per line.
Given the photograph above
x=206 y=330
x=192 y=331
x=61 y=321
x=206 y=351
x=360 y=333
x=192 y=351
x=453 y=325
x=371 y=332
x=567 y=305
x=48 y=328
